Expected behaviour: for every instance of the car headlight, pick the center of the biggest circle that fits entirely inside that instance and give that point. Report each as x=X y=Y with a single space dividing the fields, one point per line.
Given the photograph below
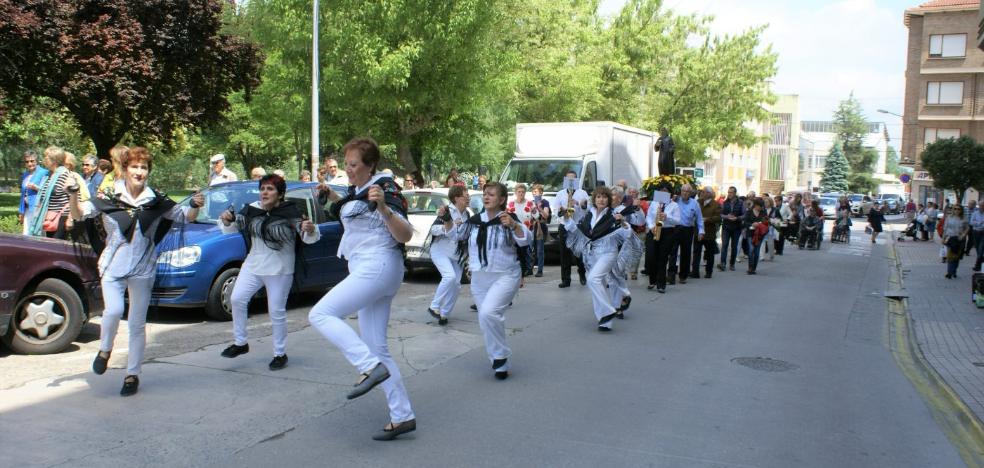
x=183 y=257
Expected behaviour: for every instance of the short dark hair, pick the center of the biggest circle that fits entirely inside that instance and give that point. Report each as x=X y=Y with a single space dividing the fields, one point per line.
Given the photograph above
x=367 y=148
x=457 y=191
x=604 y=191
x=276 y=181
x=570 y=171
x=500 y=190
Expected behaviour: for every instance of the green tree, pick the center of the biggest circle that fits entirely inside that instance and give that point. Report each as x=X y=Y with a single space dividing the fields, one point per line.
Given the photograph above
x=121 y=66
x=955 y=164
x=892 y=162
x=851 y=128
x=835 y=171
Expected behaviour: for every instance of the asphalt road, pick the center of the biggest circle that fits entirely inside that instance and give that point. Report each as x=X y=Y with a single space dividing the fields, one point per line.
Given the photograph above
x=787 y=368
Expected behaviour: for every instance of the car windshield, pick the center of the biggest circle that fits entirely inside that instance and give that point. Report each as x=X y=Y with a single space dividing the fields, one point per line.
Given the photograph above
x=549 y=172
x=828 y=202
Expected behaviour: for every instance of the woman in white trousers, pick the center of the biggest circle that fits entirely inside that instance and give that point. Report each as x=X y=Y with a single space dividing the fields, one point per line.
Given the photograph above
x=493 y=239
x=444 y=252
x=597 y=238
x=135 y=218
x=270 y=227
x=373 y=214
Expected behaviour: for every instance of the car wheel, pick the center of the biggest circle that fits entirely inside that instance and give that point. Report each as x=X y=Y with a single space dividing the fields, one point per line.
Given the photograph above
x=218 y=306
x=46 y=320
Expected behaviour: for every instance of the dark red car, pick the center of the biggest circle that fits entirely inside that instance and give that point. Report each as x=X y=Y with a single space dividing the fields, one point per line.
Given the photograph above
x=48 y=290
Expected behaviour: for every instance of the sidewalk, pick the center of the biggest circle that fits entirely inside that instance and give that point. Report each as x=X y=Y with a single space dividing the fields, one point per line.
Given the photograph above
x=948 y=327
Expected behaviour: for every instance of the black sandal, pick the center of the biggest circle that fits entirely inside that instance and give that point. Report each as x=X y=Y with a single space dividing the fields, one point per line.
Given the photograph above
x=391 y=431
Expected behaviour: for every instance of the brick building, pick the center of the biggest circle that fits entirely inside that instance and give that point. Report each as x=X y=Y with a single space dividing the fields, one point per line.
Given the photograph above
x=944 y=83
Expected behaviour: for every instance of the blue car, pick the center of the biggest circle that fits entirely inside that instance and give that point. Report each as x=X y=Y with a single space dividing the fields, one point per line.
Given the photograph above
x=202 y=273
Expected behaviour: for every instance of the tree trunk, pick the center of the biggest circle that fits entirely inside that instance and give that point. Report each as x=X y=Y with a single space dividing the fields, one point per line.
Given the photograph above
x=405 y=149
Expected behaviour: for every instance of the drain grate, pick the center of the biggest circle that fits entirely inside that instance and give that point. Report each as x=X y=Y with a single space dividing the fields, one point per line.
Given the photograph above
x=765 y=364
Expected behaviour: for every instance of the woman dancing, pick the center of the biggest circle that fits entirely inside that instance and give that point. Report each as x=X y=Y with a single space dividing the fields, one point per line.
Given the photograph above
x=373 y=214
x=270 y=227
x=493 y=236
x=447 y=254
x=136 y=218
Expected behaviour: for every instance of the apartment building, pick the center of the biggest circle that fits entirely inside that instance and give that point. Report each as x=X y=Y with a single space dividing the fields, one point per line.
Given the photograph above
x=944 y=83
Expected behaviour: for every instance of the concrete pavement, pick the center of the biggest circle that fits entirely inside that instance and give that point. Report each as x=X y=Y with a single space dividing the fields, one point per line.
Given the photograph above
x=787 y=368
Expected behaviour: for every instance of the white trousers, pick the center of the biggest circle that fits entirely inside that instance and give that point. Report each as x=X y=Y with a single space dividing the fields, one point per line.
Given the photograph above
x=113 y=291
x=493 y=292
x=447 y=291
x=618 y=288
x=601 y=269
x=368 y=290
x=277 y=289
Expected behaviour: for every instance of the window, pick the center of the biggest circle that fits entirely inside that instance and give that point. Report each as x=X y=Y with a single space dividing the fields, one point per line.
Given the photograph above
x=947 y=45
x=933 y=134
x=944 y=92
x=590 y=177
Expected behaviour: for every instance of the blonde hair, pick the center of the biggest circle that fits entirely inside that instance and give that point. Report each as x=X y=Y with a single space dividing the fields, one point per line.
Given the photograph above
x=55 y=155
x=520 y=187
x=116 y=156
x=70 y=161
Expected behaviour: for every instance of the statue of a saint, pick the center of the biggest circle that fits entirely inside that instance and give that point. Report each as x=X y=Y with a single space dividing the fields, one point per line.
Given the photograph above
x=666 y=148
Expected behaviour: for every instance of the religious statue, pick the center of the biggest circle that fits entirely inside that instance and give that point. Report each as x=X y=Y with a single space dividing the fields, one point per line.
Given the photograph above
x=665 y=148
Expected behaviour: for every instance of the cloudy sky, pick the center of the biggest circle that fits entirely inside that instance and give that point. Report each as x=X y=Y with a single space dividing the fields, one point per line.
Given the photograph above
x=826 y=48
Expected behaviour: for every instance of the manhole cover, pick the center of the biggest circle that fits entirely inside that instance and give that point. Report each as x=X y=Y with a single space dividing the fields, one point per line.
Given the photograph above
x=764 y=364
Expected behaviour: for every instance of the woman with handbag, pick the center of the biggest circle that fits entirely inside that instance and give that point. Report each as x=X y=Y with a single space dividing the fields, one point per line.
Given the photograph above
x=52 y=208
x=875 y=220
x=136 y=220
x=756 y=224
x=955 y=230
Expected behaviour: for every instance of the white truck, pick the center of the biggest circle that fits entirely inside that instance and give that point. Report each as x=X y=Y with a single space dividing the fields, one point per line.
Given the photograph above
x=599 y=152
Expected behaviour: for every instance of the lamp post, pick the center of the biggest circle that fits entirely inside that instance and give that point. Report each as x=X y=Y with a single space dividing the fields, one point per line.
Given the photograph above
x=315 y=143
x=883 y=111
x=905 y=159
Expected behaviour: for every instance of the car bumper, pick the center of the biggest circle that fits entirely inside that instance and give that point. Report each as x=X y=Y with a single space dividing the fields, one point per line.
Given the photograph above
x=181 y=288
x=417 y=256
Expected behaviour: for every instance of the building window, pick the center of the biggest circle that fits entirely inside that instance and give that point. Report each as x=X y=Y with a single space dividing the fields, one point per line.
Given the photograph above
x=947 y=45
x=933 y=134
x=944 y=92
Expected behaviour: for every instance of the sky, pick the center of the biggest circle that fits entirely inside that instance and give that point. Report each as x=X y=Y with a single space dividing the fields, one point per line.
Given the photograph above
x=826 y=49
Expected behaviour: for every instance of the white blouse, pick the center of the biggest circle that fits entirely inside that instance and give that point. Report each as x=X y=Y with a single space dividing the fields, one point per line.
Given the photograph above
x=264 y=261
x=500 y=246
x=441 y=243
x=365 y=234
x=605 y=244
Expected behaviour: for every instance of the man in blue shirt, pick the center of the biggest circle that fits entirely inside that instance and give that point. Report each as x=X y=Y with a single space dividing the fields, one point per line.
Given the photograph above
x=690 y=219
x=30 y=183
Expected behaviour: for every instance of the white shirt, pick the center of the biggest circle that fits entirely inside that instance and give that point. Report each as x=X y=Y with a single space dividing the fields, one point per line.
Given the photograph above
x=130 y=257
x=338 y=179
x=221 y=177
x=561 y=202
x=442 y=243
x=264 y=261
x=500 y=246
x=365 y=234
x=671 y=211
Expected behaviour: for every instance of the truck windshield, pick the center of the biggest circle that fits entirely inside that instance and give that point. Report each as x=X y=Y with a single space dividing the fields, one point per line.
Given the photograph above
x=549 y=172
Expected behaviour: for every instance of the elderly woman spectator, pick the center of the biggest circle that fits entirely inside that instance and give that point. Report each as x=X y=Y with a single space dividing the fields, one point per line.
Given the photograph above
x=31 y=181
x=955 y=229
x=305 y=175
x=52 y=210
x=257 y=173
x=108 y=184
x=91 y=174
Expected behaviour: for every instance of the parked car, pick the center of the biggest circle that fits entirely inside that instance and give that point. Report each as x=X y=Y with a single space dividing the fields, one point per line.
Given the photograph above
x=49 y=289
x=829 y=207
x=860 y=204
x=422 y=205
x=203 y=271
x=892 y=202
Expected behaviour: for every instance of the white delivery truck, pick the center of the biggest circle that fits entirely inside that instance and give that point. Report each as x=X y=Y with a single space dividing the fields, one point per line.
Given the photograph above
x=599 y=152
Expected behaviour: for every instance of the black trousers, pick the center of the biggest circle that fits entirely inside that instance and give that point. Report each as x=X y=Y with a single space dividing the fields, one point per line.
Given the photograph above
x=706 y=249
x=683 y=238
x=657 y=254
x=780 y=242
x=567 y=258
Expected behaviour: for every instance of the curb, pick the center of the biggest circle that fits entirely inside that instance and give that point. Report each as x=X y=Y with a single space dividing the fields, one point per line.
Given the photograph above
x=962 y=427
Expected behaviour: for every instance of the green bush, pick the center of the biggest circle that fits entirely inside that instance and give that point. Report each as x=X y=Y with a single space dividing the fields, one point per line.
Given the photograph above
x=10 y=224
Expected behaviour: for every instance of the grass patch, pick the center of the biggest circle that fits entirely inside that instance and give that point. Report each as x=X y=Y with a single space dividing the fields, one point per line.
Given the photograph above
x=9 y=203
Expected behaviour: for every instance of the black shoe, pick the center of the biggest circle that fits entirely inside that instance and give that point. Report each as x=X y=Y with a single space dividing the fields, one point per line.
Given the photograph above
x=374 y=377
x=584 y=281
x=130 y=384
x=395 y=430
x=695 y=275
x=502 y=375
x=604 y=329
x=474 y=307
x=731 y=267
x=433 y=313
x=442 y=321
x=707 y=275
x=528 y=273
x=661 y=290
x=235 y=350
x=100 y=363
x=564 y=284
x=670 y=281
x=278 y=362
x=626 y=302
x=683 y=280
x=721 y=266
x=538 y=274
x=651 y=286
x=620 y=315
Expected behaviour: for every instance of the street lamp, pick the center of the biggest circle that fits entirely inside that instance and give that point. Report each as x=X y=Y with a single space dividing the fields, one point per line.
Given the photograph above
x=883 y=111
x=315 y=144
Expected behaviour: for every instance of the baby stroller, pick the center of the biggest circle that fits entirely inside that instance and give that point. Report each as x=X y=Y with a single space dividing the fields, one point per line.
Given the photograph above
x=912 y=230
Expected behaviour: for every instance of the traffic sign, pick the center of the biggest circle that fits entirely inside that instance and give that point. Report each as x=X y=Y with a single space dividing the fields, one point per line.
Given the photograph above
x=698 y=172
x=905 y=178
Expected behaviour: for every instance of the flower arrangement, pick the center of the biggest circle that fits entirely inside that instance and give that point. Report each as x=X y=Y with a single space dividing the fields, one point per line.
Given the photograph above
x=673 y=182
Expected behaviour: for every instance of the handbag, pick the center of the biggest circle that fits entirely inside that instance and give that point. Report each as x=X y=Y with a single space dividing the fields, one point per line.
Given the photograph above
x=867 y=229
x=52 y=219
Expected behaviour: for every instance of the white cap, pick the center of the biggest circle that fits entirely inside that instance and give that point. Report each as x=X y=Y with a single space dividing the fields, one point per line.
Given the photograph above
x=217 y=157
